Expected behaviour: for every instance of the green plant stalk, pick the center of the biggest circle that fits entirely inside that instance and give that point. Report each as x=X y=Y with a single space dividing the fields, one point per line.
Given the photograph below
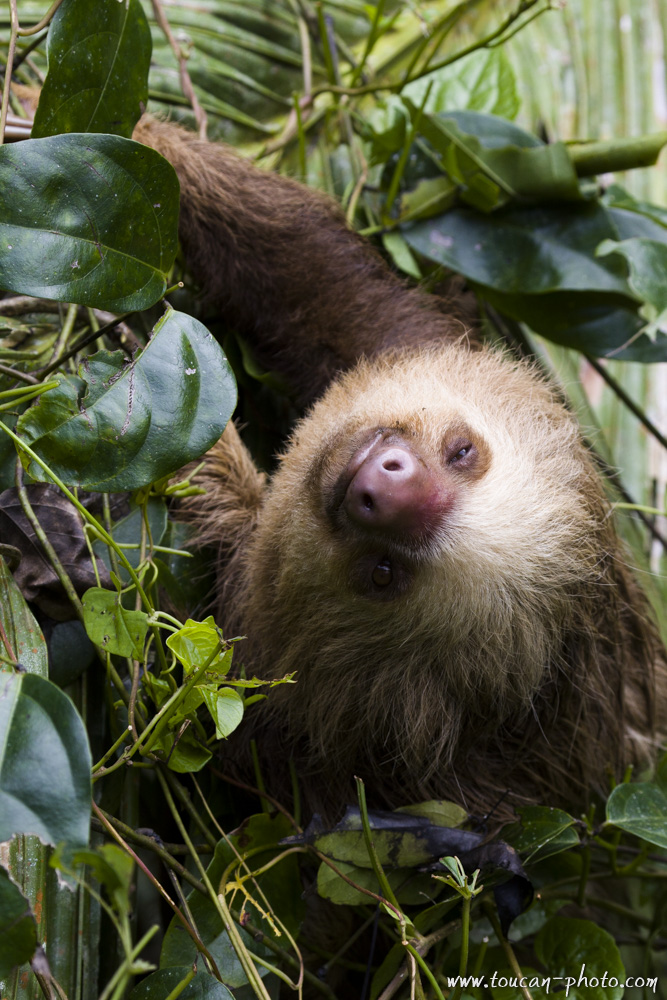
x=158 y=722
x=507 y=948
x=64 y=335
x=189 y=805
x=437 y=37
x=178 y=989
x=329 y=63
x=613 y=155
x=200 y=946
x=405 y=152
x=386 y=889
x=112 y=749
x=425 y=969
x=26 y=392
x=251 y=973
x=371 y=39
x=585 y=872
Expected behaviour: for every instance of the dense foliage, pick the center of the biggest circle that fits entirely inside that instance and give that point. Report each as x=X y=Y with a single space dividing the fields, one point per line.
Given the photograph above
x=105 y=395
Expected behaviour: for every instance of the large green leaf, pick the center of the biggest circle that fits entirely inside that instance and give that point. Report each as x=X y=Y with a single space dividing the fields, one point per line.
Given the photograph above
x=22 y=632
x=123 y=425
x=18 y=930
x=99 y=55
x=526 y=251
x=583 y=957
x=641 y=809
x=44 y=762
x=161 y=984
x=90 y=219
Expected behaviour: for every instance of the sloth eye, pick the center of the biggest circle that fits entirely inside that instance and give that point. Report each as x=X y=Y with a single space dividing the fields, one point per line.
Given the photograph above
x=461 y=453
x=382 y=575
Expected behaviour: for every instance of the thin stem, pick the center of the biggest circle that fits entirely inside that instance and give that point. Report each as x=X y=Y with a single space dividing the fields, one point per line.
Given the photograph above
x=13 y=32
x=43 y=23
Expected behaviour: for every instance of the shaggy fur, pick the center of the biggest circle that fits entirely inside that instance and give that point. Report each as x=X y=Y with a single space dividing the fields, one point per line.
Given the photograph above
x=517 y=654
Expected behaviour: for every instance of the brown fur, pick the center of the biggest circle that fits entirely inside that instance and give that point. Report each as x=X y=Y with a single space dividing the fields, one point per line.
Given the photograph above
x=518 y=653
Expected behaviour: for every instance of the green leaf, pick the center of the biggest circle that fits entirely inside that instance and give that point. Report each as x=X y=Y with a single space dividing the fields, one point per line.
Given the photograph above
x=99 y=56
x=111 y=626
x=87 y=218
x=113 y=868
x=524 y=251
x=541 y=832
x=197 y=642
x=581 y=954
x=401 y=254
x=161 y=984
x=18 y=930
x=438 y=811
x=226 y=708
x=184 y=753
x=410 y=887
x=44 y=762
x=641 y=809
x=482 y=81
x=123 y=425
x=647 y=260
x=21 y=630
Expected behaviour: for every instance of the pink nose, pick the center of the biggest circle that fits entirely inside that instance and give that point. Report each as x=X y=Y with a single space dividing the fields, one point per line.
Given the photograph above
x=394 y=492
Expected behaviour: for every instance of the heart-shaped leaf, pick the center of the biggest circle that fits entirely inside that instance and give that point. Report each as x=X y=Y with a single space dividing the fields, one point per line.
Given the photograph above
x=87 y=218
x=123 y=425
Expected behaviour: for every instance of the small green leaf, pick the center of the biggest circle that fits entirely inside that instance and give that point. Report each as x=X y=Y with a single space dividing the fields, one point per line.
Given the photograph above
x=112 y=867
x=125 y=424
x=198 y=642
x=18 y=930
x=22 y=631
x=44 y=762
x=87 y=218
x=584 y=956
x=641 y=809
x=99 y=55
x=226 y=708
x=541 y=832
x=438 y=811
x=111 y=626
x=183 y=752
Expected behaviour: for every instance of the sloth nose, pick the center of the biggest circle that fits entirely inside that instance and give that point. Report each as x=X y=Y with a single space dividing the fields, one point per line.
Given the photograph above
x=394 y=492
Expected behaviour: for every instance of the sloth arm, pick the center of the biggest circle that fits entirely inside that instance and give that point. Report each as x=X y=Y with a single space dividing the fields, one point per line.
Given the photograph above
x=225 y=516
x=279 y=264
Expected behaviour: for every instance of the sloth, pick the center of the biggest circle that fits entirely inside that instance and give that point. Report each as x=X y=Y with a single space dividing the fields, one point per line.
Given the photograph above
x=434 y=556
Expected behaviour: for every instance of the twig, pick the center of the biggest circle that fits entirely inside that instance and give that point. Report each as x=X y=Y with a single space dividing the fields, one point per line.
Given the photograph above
x=13 y=33
x=186 y=82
